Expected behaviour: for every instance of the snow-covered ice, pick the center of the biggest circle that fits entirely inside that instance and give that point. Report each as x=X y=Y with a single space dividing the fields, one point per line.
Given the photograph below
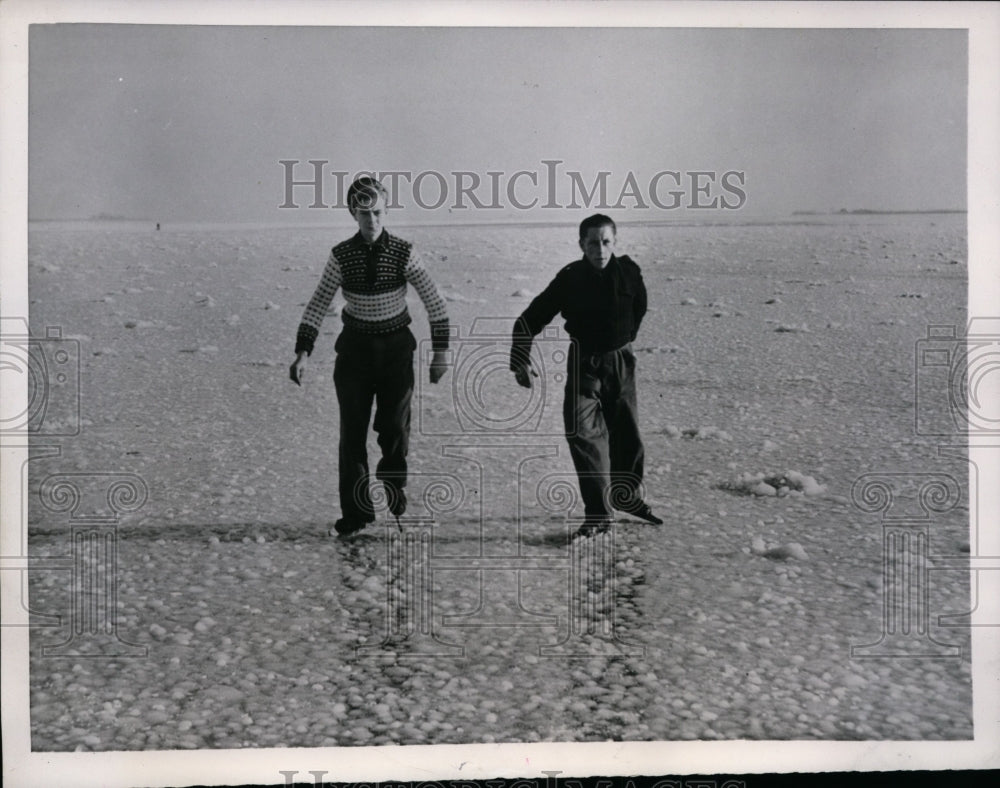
x=775 y=356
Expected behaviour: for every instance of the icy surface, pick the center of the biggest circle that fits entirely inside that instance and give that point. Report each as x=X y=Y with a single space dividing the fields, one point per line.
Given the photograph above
x=775 y=366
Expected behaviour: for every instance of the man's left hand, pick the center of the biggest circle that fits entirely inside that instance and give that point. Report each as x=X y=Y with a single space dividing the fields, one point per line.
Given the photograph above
x=439 y=365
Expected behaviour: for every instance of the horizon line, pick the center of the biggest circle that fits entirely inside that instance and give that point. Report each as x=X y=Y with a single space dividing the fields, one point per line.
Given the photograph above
x=506 y=221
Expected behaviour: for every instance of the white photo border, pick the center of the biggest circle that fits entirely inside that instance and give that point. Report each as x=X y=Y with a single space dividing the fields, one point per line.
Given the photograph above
x=470 y=762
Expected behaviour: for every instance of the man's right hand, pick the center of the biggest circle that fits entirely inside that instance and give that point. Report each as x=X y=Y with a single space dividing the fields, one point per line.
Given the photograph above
x=297 y=369
x=523 y=375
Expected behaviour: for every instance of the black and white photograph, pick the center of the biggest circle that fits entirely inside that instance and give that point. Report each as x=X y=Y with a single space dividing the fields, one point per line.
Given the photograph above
x=526 y=390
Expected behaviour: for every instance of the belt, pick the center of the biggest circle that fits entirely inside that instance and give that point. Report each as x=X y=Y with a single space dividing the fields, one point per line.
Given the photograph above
x=355 y=329
x=590 y=352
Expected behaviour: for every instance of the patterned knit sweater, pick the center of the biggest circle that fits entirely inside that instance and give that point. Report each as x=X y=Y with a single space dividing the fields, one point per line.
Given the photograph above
x=374 y=278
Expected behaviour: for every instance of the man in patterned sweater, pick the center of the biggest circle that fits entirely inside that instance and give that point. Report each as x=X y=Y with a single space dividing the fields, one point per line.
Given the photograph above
x=374 y=351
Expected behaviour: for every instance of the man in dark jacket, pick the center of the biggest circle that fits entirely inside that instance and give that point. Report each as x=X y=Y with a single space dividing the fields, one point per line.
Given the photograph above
x=603 y=300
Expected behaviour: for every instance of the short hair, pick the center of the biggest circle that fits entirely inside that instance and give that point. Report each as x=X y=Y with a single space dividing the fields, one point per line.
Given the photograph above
x=364 y=192
x=597 y=220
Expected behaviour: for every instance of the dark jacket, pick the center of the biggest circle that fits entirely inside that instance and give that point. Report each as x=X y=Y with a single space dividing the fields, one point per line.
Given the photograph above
x=602 y=309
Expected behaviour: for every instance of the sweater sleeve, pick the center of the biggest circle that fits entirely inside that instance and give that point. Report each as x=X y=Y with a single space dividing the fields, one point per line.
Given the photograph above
x=316 y=309
x=437 y=314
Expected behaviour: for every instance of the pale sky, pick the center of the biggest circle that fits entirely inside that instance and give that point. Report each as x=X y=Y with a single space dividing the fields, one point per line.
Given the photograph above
x=189 y=123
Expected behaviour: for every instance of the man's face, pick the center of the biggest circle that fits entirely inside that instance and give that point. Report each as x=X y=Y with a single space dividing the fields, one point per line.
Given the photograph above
x=598 y=245
x=369 y=218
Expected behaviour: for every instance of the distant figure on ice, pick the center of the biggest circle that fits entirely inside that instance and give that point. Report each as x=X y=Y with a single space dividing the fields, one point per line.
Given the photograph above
x=603 y=300
x=374 y=350
x=157 y=225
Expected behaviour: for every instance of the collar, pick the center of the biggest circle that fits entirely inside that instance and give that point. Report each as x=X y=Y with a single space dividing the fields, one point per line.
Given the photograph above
x=382 y=241
x=612 y=264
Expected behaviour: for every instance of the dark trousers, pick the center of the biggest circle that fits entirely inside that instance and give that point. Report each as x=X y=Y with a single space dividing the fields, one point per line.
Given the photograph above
x=372 y=368
x=602 y=428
